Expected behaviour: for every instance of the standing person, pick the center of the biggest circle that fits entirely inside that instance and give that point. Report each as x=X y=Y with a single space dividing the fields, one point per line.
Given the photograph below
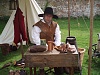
x=47 y=29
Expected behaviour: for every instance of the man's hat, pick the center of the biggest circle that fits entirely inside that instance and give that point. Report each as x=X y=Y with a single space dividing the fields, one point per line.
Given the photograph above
x=48 y=10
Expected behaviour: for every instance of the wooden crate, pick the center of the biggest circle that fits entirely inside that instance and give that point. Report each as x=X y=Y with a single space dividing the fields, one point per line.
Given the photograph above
x=5 y=48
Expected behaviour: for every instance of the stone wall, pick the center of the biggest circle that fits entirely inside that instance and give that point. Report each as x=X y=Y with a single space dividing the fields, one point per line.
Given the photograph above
x=77 y=7
x=4 y=8
x=60 y=7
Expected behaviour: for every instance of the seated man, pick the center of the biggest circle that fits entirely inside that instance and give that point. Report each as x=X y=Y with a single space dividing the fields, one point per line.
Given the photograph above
x=47 y=29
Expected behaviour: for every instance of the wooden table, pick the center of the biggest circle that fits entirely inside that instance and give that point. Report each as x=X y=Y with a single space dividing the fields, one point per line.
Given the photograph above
x=51 y=59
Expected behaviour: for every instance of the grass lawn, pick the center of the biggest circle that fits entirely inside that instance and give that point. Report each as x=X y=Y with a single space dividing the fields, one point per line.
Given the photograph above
x=78 y=29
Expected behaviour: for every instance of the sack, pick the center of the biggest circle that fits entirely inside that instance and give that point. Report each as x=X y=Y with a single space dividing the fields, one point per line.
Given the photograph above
x=37 y=48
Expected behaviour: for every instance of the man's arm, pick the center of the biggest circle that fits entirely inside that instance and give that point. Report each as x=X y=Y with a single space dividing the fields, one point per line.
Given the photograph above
x=57 y=36
x=36 y=35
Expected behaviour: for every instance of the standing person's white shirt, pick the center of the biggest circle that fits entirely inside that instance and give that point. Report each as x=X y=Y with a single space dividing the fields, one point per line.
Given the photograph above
x=36 y=35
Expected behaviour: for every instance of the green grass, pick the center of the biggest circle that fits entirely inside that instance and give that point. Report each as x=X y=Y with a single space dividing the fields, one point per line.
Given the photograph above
x=81 y=32
x=3 y=21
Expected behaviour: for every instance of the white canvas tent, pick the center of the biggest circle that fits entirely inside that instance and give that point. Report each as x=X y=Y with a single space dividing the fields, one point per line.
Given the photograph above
x=30 y=10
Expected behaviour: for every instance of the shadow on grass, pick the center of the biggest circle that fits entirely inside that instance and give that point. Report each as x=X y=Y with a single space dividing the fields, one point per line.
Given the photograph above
x=95 y=66
x=9 y=56
x=12 y=56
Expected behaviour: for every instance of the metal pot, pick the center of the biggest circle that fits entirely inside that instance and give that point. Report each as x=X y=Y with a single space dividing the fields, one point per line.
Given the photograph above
x=71 y=40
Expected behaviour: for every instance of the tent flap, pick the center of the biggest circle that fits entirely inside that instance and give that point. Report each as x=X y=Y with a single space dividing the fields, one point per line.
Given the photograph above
x=30 y=10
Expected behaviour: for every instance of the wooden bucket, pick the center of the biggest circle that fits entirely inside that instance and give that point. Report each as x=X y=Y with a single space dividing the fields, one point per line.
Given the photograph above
x=81 y=51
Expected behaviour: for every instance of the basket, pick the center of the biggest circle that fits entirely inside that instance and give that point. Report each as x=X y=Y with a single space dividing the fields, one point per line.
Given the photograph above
x=81 y=51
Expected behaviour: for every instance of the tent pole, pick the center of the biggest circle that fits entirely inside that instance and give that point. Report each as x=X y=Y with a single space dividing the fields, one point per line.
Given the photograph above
x=17 y=3
x=22 y=50
x=91 y=36
x=26 y=24
x=68 y=17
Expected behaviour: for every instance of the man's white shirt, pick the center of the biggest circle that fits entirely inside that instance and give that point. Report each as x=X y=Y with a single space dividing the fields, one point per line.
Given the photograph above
x=36 y=35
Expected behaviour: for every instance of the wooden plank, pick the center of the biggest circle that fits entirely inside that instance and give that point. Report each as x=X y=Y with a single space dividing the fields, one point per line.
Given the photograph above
x=71 y=71
x=60 y=60
x=31 y=72
x=34 y=70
